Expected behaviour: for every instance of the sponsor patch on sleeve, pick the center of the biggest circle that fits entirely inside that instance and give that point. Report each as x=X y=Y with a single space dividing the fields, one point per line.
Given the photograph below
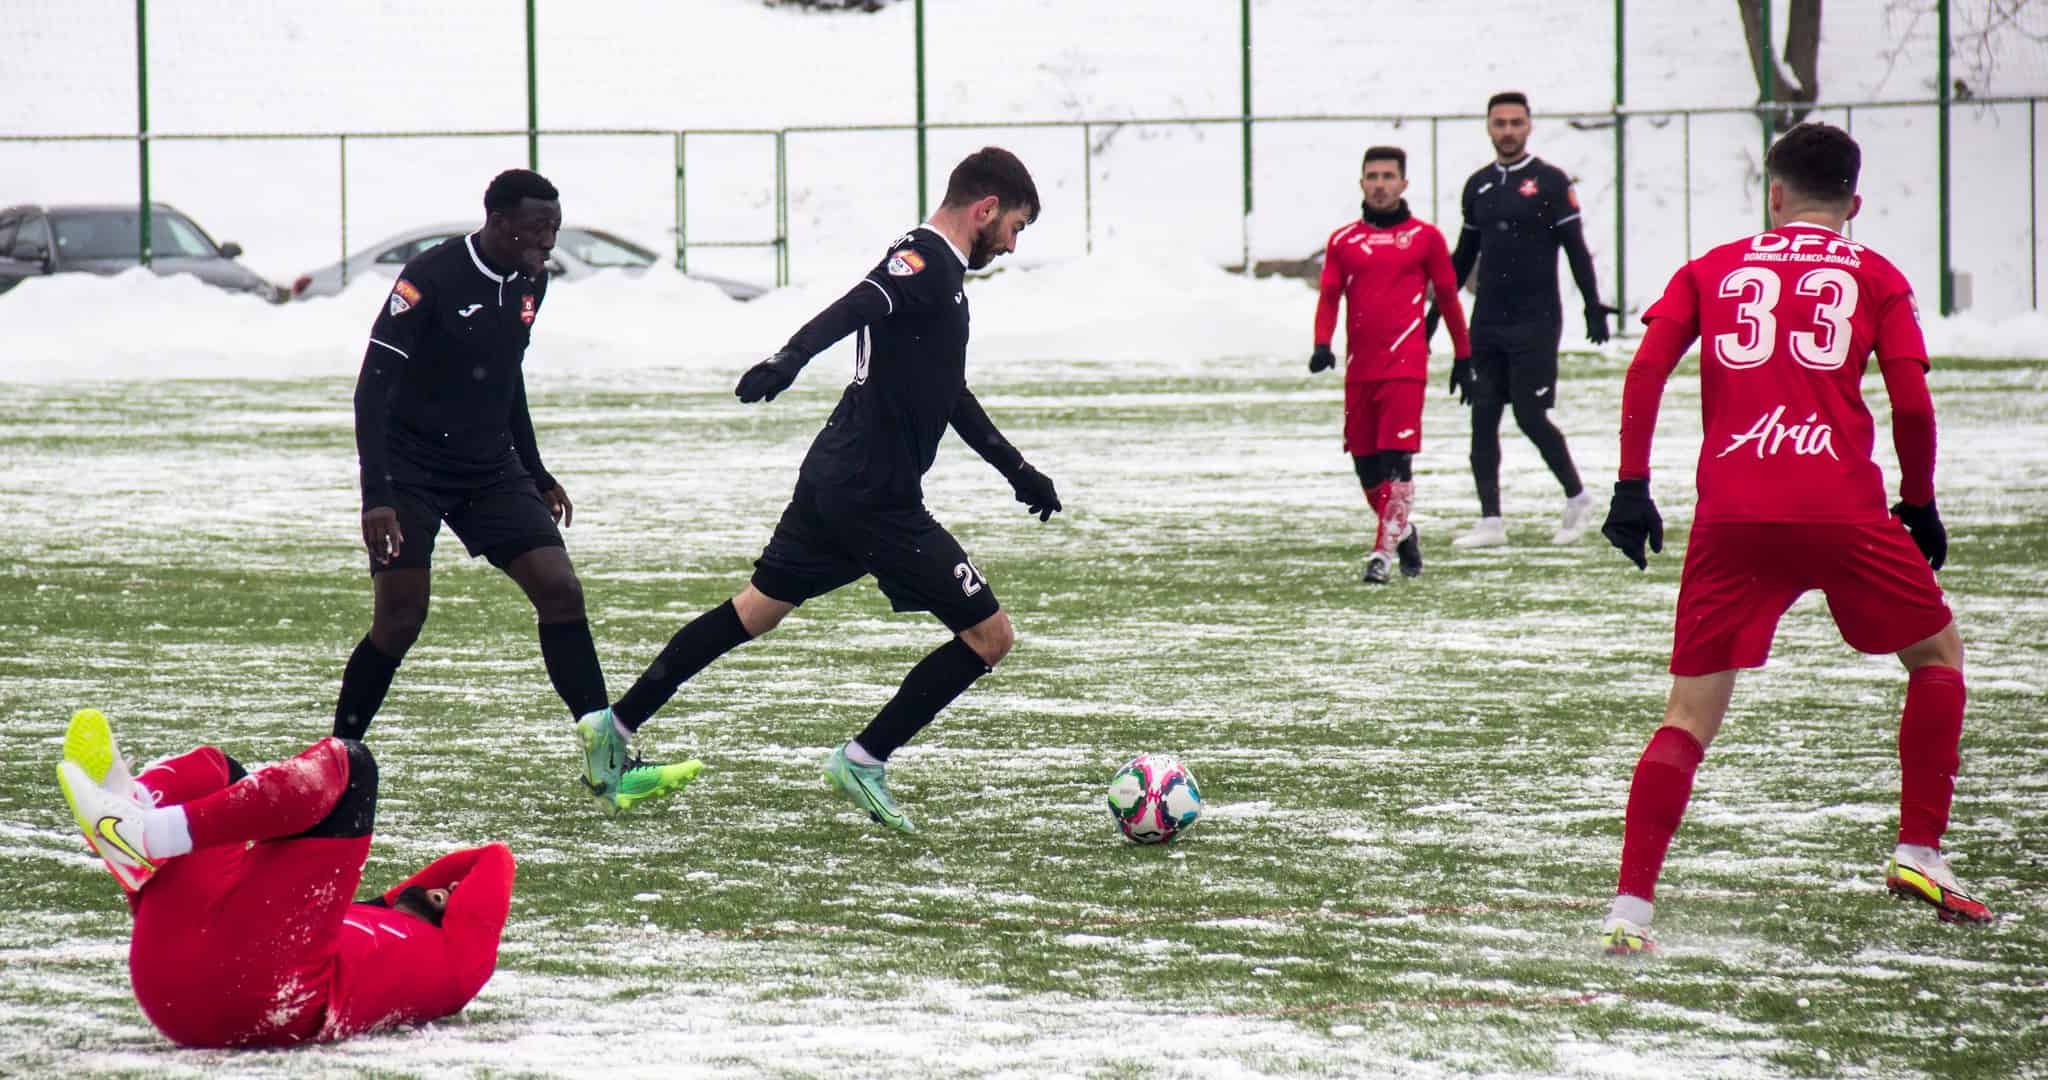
x=905 y=263
x=403 y=296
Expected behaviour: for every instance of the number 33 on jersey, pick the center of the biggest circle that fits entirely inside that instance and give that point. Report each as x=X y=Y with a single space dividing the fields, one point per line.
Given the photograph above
x=1787 y=321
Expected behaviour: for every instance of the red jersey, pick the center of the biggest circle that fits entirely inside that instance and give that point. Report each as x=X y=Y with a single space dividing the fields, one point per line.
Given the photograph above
x=1787 y=320
x=1380 y=273
x=393 y=968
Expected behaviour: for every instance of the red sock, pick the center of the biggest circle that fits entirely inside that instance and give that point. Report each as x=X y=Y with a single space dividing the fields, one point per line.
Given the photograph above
x=1929 y=732
x=286 y=798
x=1656 y=803
x=1377 y=496
x=195 y=773
x=1394 y=519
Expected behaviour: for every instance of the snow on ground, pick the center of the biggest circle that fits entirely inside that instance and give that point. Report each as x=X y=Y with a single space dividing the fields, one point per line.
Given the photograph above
x=1105 y=314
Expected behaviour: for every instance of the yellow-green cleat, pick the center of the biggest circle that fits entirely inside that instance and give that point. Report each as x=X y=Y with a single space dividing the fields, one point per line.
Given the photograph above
x=643 y=781
x=866 y=787
x=1620 y=937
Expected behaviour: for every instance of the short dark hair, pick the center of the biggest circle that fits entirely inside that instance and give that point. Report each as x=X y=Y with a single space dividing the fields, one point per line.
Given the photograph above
x=509 y=187
x=1816 y=160
x=995 y=171
x=1507 y=97
x=1385 y=153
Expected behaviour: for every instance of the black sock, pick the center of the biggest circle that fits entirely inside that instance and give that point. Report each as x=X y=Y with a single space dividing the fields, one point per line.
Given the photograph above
x=932 y=685
x=364 y=682
x=571 y=658
x=707 y=637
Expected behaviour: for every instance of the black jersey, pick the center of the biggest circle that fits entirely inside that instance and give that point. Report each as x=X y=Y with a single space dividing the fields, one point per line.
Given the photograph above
x=1516 y=218
x=909 y=376
x=442 y=380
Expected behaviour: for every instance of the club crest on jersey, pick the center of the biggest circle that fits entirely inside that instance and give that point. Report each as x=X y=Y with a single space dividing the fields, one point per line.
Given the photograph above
x=1528 y=187
x=905 y=263
x=526 y=309
x=403 y=296
x=1571 y=195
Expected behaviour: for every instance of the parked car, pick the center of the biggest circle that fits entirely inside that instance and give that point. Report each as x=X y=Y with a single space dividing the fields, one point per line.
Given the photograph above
x=40 y=240
x=580 y=251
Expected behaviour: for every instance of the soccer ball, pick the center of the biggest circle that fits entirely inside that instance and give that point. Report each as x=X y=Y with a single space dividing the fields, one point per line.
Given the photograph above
x=1154 y=799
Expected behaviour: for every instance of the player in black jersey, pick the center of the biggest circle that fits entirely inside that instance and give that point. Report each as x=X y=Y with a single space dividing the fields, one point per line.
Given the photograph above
x=443 y=434
x=858 y=507
x=1519 y=211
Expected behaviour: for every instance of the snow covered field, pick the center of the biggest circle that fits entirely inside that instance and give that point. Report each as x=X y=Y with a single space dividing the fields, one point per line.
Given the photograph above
x=1415 y=793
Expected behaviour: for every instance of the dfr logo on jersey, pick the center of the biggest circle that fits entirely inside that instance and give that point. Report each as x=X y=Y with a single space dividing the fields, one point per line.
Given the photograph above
x=403 y=296
x=526 y=309
x=905 y=263
x=1770 y=434
x=1528 y=187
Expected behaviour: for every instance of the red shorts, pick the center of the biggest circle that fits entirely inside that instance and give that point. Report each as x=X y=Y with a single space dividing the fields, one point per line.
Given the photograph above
x=1385 y=414
x=1740 y=578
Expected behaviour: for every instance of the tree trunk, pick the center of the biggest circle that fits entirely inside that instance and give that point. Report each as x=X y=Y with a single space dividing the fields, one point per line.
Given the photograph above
x=1802 y=51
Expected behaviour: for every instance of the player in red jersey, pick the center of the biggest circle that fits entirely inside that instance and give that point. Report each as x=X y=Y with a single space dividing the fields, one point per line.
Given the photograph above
x=1380 y=266
x=242 y=885
x=1790 y=500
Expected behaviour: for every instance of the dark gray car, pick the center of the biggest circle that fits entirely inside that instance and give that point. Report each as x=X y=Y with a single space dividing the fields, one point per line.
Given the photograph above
x=40 y=240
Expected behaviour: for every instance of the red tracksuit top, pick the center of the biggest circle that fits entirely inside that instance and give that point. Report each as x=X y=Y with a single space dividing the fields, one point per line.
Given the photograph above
x=1380 y=272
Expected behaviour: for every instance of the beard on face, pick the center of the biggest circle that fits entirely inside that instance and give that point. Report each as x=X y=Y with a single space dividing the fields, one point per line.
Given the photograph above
x=984 y=250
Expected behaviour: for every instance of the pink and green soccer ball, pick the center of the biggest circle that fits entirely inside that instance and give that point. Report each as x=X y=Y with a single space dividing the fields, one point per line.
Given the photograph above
x=1154 y=798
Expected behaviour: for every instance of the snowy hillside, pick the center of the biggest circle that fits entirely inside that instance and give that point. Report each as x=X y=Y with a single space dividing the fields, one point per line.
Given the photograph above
x=1168 y=190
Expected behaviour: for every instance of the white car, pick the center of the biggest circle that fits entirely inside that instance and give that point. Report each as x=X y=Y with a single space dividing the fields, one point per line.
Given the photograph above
x=579 y=252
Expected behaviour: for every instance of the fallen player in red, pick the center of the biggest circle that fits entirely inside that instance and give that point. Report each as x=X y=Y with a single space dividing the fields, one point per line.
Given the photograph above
x=247 y=930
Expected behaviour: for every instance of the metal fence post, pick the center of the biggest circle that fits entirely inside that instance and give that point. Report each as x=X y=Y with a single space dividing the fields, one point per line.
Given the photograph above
x=1685 y=151
x=2033 y=213
x=922 y=195
x=1435 y=198
x=781 y=208
x=1087 y=191
x=142 y=122
x=1245 y=68
x=342 y=142
x=532 y=96
x=1768 y=66
x=1620 y=162
x=1948 y=285
x=683 y=210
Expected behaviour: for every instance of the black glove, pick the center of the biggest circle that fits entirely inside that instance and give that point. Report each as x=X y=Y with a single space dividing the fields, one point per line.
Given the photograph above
x=1034 y=489
x=1321 y=360
x=1430 y=318
x=1461 y=379
x=1596 y=321
x=1924 y=522
x=769 y=377
x=1632 y=518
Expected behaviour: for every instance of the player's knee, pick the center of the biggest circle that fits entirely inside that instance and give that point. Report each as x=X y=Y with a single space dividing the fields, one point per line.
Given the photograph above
x=1396 y=465
x=758 y=612
x=560 y=600
x=1532 y=417
x=1367 y=466
x=397 y=626
x=991 y=638
x=1944 y=649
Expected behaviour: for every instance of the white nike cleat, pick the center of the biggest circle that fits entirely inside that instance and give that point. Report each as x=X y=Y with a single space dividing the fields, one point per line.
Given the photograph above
x=1921 y=874
x=1486 y=532
x=112 y=824
x=1578 y=513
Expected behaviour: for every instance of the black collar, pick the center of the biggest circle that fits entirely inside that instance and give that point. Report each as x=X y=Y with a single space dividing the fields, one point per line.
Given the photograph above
x=1385 y=220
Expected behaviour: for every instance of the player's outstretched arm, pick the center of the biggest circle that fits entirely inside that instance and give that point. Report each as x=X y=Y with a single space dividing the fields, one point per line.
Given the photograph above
x=1632 y=518
x=865 y=303
x=1329 y=293
x=1033 y=488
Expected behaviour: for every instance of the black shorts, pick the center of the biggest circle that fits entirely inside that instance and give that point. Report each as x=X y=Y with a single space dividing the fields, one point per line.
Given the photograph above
x=823 y=542
x=500 y=521
x=1516 y=364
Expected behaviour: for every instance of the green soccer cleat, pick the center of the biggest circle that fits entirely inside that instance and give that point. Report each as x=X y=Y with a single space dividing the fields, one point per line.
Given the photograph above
x=1927 y=878
x=112 y=825
x=642 y=781
x=1620 y=937
x=89 y=744
x=604 y=753
x=865 y=787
